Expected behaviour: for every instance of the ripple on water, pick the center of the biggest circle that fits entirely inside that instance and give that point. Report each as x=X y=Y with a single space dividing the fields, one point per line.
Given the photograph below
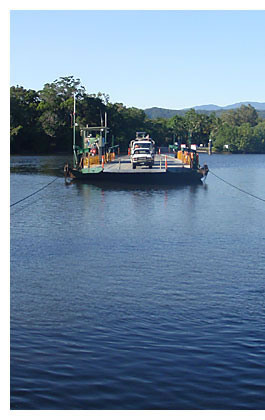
x=137 y=299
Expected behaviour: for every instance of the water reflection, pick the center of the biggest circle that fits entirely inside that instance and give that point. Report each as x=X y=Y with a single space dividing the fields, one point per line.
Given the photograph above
x=49 y=165
x=136 y=297
x=82 y=186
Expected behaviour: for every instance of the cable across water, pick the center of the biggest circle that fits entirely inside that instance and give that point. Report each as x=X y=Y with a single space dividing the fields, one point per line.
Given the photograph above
x=237 y=188
x=35 y=192
x=221 y=179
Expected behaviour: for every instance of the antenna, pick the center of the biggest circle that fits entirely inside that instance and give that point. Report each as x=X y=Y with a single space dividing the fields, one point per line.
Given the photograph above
x=74 y=157
x=106 y=128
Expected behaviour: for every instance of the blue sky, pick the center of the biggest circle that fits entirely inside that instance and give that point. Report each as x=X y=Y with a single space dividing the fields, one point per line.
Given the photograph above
x=171 y=59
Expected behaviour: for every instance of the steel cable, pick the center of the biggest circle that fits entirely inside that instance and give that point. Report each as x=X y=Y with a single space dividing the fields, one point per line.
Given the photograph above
x=237 y=188
x=35 y=192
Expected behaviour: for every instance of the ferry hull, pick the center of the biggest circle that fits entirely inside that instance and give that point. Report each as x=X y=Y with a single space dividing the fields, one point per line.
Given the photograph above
x=178 y=176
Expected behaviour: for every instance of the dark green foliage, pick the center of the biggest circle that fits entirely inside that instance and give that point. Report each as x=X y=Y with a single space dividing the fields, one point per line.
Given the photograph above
x=124 y=122
x=41 y=122
x=56 y=107
x=244 y=114
x=226 y=135
x=26 y=134
x=241 y=139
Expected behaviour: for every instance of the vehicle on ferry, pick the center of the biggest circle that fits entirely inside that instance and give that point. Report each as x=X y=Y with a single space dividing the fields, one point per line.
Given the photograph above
x=142 y=150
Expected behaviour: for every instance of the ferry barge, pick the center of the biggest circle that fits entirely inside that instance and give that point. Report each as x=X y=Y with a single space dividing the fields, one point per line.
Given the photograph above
x=95 y=163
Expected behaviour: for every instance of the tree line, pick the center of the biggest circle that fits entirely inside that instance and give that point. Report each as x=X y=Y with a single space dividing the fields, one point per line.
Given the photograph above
x=41 y=122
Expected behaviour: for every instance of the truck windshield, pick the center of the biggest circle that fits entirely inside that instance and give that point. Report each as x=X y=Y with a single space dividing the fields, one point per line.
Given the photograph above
x=142 y=145
x=141 y=151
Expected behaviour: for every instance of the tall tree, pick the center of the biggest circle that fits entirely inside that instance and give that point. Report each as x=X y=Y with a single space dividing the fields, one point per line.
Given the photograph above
x=248 y=114
x=226 y=135
x=178 y=126
x=56 y=107
x=198 y=126
x=25 y=130
x=244 y=114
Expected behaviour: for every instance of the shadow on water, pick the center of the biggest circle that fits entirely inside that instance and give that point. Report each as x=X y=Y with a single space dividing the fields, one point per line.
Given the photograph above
x=84 y=186
x=45 y=165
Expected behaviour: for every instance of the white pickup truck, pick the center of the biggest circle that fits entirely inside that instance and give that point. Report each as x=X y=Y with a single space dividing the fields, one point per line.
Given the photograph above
x=141 y=156
x=142 y=152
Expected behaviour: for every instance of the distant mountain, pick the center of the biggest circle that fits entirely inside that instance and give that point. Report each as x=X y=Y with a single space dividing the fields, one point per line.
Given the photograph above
x=210 y=107
x=260 y=106
x=156 y=112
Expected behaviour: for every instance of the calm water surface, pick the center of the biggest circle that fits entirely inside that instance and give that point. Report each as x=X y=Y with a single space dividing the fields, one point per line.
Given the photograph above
x=138 y=298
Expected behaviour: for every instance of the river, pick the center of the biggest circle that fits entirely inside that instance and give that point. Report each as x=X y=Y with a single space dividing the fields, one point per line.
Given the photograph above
x=138 y=297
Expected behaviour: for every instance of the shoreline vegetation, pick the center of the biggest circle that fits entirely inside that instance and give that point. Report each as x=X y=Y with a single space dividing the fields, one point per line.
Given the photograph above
x=41 y=122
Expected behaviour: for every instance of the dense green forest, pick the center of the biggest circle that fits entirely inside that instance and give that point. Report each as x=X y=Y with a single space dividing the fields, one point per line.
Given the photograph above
x=41 y=122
